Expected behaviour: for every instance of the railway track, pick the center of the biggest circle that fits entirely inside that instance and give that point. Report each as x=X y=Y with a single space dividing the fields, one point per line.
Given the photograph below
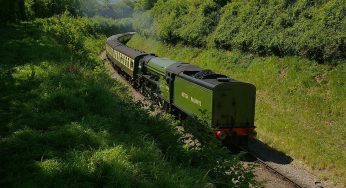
x=271 y=169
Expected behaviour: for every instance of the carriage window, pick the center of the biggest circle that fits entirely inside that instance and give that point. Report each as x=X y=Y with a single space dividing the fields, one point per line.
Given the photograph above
x=132 y=64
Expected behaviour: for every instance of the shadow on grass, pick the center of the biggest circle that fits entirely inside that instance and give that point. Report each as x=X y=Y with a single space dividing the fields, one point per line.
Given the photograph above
x=65 y=125
x=21 y=45
x=265 y=153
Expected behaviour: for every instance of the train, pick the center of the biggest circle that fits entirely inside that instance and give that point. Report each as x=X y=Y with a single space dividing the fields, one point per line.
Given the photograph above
x=225 y=104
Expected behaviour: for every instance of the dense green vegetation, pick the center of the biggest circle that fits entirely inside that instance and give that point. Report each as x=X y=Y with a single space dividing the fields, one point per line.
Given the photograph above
x=300 y=107
x=313 y=29
x=65 y=122
x=16 y=10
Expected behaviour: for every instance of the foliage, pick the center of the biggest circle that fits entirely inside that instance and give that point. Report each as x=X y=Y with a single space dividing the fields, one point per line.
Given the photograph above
x=204 y=146
x=48 y=8
x=143 y=5
x=30 y=9
x=187 y=21
x=300 y=105
x=73 y=32
x=313 y=29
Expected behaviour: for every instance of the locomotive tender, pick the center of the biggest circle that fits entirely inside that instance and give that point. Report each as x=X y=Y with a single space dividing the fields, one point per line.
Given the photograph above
x=227 y=105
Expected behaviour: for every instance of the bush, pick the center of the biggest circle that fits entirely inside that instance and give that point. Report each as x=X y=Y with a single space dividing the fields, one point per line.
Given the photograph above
x=313 y=29
x=74 y=33
x=190 y=22
x=48 y=8
x=144 y=4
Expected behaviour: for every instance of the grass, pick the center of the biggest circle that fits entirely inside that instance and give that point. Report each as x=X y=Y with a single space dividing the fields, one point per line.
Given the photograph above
x=65 y=123
x=301 y=105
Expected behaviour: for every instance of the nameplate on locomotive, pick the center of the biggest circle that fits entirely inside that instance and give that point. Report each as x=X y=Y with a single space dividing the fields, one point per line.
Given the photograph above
x=193 y=100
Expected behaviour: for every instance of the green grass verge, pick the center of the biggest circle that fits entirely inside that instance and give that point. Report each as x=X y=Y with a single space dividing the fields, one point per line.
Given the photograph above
x=301 y=105
x=65 y=123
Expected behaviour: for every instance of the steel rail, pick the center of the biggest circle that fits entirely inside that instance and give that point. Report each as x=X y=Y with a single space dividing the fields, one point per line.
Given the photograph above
x=273 y=170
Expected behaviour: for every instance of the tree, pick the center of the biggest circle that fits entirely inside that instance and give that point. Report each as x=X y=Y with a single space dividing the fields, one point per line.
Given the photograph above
x=12 y=10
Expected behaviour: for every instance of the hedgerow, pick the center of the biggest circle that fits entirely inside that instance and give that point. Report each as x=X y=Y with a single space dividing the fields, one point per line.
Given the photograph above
x=312 y=29
x=187 y=21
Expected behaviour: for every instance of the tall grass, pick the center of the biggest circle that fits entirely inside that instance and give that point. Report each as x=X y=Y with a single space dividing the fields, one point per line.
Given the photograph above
x=301 y=106
x=65 y=122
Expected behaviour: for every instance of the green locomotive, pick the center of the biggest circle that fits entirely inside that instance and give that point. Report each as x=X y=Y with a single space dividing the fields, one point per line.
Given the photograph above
x=227 y=105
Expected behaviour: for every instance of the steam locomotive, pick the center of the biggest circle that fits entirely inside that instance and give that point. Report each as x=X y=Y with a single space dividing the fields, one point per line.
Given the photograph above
x=227 y=105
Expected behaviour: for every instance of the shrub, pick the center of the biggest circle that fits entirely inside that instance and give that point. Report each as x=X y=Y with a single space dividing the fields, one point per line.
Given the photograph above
x=74 y=32
x=313 y=29
x=190 y=21
x=48 y=8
